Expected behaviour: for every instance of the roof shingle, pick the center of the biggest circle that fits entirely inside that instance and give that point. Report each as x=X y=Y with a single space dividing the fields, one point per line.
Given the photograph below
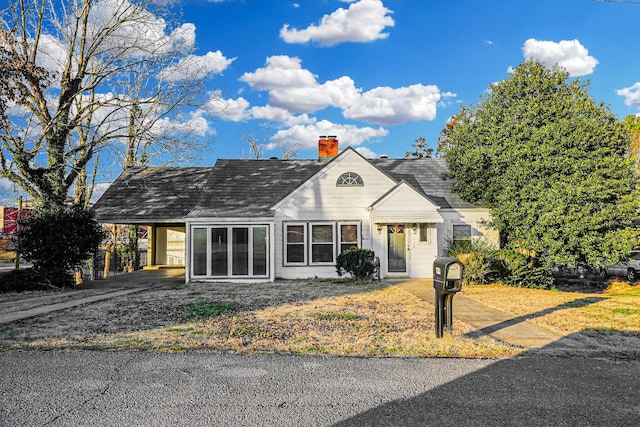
x=243 y=188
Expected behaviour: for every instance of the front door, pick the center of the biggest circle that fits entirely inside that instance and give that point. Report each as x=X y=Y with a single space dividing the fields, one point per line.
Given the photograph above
x=397 y=249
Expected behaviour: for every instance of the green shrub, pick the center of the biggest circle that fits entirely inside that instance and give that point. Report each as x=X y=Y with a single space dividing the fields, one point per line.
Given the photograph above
x=358 y=262
x=22 y=281
x=57 y=240
x=519 y=270
x=484 y=264
x=476 y=256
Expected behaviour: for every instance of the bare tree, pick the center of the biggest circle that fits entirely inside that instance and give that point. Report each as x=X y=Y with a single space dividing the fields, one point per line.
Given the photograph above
x=82 y=75
x=257 y=148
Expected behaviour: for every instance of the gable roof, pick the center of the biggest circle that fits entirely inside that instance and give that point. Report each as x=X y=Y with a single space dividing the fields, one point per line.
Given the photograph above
x=151 y=194
x=343 y=156
x=245 y=188
x=416 y=207
x=250 y=188
x=425 y=175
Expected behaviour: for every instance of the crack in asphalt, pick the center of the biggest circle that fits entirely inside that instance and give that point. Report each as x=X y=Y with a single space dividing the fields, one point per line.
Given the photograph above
x=101 y=393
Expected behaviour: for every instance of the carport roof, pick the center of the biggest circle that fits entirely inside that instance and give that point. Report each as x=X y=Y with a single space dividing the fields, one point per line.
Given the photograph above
x=152 y=194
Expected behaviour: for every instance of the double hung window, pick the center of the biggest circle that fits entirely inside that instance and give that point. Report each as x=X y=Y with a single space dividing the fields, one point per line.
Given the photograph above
x=318 y=243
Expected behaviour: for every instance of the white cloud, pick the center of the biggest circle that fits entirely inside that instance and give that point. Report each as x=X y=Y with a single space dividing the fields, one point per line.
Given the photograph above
x=631 y=95
x=570 y=54
x=196 y=67
x=196 y=125
x=367 y=153
x=281 y=71
x=233 y=110
x=388 y=106
x=52 y=54
x=280 y=115
x=306 y=136
x=363 y=21
x=296 y=90
x=338 y=93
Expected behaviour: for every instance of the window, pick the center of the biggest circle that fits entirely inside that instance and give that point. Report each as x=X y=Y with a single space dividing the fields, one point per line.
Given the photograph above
x=318 y=243
x=349 y=179
x=348 y=236
x=461 y=232
x=219 y=252
x=322 y=249
x=260 y=258
x=425 y=231
x=225 y=251
x=295 y=246
x=240 y=252
x=199 y=251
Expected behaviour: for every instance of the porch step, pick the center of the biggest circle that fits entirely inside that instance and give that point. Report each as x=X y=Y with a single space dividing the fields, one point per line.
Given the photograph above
x=160 y=267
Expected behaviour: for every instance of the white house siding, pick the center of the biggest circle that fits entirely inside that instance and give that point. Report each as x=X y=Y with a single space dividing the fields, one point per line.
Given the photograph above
x=321 y=200
x=170 y=246
x=476 y=218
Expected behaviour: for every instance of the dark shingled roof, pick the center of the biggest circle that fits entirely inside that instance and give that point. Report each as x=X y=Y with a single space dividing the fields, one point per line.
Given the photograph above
x=425 y=175
x=250 y=188
x=243 y=188
x=152 y=194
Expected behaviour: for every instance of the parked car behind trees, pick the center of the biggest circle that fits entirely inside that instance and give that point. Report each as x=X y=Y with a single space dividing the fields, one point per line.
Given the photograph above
x=629 y=269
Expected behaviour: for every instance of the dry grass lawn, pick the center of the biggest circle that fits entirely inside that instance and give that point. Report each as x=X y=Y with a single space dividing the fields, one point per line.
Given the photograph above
x=617 y=309
x=303 y=317
x=315 y=317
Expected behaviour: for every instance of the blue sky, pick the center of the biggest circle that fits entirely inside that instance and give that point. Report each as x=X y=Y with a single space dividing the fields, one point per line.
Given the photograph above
x=381 y=73
x=378 y=74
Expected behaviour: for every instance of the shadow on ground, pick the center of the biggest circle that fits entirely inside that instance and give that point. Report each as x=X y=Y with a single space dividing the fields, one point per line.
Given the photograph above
x=533 y=390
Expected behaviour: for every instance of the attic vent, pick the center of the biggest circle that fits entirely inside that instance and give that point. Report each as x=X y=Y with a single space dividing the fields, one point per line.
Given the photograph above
x=349 y=179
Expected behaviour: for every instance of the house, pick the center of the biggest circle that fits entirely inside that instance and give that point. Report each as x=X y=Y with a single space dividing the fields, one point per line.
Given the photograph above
x=259 y=220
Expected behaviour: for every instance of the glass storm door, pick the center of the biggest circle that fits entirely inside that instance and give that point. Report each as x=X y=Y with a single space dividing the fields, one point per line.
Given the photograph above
x=397 y=249
x=219 y=255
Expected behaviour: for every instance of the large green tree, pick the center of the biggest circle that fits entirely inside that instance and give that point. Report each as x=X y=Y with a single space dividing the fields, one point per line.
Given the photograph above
x=551 y=164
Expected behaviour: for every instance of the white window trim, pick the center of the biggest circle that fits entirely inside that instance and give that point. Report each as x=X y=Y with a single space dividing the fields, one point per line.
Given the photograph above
x=311 y=243
x=229 y=228
x=286 y=243
x=308 y=243
x=459 y=224
x=429 y=231
x=351 y=175
x=339 y=234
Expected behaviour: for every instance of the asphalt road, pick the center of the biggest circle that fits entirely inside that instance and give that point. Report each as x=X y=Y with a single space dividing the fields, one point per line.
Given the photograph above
x=105 y=388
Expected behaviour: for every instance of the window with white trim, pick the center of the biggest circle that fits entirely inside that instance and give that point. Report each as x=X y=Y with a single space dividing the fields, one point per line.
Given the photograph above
x=348 y=236
x=230 y=251
x=461 y=232
x=425 y=233
x=322 y=243
x=318 y=243
x=295 y=244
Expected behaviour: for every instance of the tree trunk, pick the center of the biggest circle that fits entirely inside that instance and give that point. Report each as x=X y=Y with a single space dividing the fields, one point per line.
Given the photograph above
x=109 y=250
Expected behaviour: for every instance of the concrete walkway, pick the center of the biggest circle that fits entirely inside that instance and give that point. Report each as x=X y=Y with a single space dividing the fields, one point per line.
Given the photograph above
x=500 y=325
x=98 y=290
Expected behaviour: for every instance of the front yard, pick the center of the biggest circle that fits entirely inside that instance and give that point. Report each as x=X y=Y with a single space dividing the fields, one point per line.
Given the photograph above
x=313 y=317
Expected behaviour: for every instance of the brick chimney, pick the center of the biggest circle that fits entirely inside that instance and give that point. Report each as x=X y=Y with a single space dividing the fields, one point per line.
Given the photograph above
x=327 y=147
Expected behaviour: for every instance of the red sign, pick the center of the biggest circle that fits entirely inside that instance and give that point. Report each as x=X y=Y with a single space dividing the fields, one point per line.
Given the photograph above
x=9 y=219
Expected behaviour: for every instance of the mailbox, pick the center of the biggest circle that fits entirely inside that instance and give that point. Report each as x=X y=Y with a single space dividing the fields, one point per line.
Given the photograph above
x=447 y=281
x=447 y=275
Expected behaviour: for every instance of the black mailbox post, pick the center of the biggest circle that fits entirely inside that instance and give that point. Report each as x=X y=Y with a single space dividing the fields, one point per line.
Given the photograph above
x=447 y=280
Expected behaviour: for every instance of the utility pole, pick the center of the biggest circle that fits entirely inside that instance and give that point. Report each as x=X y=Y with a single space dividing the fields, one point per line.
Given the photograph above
x=18 y=216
